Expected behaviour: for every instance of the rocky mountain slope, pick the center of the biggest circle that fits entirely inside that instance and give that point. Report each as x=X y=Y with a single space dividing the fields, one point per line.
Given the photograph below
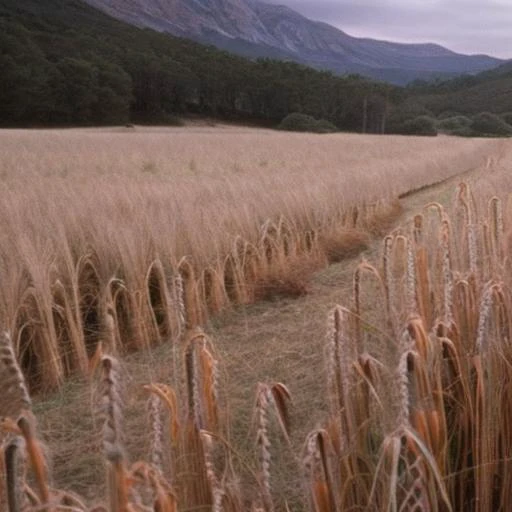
x=257 y=29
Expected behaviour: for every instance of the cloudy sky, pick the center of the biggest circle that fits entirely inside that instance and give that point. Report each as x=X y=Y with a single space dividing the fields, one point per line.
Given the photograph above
x=466 y=26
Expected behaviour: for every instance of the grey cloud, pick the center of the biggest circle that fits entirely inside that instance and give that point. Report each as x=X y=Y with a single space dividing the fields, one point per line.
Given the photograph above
x=467 y=26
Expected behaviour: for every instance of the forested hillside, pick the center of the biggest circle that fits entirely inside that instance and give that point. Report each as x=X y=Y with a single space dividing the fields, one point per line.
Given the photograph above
x=65 y=63
x=469 y=94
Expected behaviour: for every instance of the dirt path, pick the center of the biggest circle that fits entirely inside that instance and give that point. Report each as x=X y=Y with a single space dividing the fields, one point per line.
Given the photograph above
x=269 y=341
x=284 y=341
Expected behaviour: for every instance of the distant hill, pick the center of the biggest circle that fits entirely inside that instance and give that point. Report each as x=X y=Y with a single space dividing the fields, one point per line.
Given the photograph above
x=257 y=29
x=489 y=96
x=489 y=91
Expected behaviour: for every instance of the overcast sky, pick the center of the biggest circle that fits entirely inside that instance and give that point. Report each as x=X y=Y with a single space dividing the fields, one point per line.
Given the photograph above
x=466 y=26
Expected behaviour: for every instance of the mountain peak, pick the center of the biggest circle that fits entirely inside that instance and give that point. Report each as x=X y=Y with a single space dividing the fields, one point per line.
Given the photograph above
x=260 y=29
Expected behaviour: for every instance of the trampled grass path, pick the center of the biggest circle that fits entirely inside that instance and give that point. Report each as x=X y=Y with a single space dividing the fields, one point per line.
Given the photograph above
x=281 y=340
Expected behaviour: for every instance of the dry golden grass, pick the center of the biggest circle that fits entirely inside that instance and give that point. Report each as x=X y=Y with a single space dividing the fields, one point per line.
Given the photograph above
x=407 y=420
x=104 y=220
x=378 y=438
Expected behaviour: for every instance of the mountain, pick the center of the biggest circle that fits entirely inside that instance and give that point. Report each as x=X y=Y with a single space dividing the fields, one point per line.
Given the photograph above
x=257 y=29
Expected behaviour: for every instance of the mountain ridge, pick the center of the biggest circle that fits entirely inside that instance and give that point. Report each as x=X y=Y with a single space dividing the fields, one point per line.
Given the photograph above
x=257 y=29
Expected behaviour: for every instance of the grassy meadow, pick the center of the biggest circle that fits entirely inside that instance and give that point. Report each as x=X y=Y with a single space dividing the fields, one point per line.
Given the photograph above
x=102 y=220
x=364 y=385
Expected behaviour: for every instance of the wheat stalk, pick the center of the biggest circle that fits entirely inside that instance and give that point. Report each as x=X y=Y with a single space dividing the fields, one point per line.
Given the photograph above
x=412 y=303
x=263 y=397
x=15 y=396
x=111 y=409
x=320 y=481
x=12 y=451
x=157 y=432
x=216 y=487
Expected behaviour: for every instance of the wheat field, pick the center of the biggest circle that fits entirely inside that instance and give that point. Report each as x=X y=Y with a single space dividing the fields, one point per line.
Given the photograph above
x=122 y=240
x=97 y=220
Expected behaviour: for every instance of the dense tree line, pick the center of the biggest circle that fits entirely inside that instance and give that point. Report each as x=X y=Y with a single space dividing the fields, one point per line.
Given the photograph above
x=489 y=91
x=63 y=62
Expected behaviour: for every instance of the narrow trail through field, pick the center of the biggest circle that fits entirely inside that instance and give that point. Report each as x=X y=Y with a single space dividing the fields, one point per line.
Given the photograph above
x=284 y=340
x=280 y=341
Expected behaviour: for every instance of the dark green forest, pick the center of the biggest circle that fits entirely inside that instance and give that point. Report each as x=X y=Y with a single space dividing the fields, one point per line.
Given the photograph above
x=63 y=63
x=488 y=91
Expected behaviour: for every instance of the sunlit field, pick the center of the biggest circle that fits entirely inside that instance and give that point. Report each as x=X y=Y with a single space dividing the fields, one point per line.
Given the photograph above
x=120 y=240
x=97 y=220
